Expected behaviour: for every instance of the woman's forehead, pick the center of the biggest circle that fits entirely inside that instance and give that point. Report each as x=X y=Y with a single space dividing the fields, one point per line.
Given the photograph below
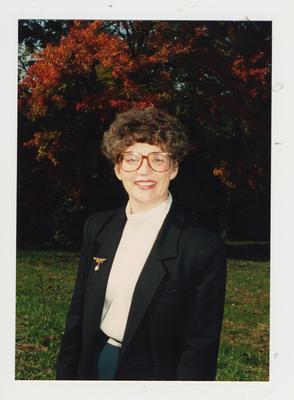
x=144 y=147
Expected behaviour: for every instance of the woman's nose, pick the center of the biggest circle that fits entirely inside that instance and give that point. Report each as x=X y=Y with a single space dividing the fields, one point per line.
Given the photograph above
x=144 y=167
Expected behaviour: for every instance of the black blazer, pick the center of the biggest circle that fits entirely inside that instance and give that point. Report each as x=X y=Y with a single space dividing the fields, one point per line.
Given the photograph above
x=174 y=323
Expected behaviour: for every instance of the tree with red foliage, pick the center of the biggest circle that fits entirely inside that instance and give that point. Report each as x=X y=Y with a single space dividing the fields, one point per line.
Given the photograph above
x=215 y=76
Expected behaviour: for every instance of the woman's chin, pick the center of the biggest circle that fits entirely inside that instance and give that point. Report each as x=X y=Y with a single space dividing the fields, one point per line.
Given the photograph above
x=145 y=200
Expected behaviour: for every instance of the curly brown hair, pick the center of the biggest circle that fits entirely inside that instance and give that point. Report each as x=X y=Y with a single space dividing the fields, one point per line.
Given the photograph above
x=149 y=125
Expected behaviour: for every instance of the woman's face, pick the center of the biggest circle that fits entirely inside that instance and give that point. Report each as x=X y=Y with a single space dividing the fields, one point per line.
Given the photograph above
x=146 y=188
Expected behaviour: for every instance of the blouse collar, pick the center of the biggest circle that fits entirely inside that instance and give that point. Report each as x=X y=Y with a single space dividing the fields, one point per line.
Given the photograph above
x=153 y=215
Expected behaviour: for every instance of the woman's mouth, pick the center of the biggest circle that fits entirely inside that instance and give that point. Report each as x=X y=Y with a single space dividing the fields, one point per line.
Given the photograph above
x=145 y=185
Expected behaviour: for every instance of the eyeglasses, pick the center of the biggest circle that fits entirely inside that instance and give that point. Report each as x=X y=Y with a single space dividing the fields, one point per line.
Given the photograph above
x=131 y=161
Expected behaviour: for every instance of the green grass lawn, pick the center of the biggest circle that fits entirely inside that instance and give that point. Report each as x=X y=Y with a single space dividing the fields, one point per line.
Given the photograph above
x=44 y=285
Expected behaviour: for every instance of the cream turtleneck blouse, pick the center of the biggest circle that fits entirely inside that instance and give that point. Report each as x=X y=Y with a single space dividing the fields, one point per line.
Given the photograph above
x=138 y=237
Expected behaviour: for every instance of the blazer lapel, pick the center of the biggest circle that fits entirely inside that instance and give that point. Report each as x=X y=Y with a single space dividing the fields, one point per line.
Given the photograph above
x=165 y=247
x=105 y=246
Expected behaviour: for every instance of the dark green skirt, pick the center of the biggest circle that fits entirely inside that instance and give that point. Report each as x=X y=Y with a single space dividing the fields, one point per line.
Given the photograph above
x=107 y=362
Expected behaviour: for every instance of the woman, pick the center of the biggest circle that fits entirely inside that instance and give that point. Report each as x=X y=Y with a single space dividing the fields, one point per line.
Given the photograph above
x=149 y=295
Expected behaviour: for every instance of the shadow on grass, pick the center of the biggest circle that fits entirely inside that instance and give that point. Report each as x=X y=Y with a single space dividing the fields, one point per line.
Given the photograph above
x=255 y=251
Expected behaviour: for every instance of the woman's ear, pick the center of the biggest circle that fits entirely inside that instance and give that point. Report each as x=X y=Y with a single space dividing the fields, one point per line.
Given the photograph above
x=117 y=171
x=175 y=170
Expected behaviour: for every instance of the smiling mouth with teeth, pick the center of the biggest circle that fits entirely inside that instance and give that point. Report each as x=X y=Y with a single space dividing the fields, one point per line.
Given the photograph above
x=145 y=184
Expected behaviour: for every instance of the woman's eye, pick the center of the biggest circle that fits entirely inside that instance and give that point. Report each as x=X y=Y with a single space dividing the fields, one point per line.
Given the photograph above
x=131 y=159
x=158 y=160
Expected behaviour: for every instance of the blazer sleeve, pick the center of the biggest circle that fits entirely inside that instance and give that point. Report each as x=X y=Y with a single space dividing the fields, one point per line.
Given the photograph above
x=202 y=319
x=68 y=358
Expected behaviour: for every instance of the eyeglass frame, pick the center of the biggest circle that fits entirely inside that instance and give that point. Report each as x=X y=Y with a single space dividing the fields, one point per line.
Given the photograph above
x=147 y=158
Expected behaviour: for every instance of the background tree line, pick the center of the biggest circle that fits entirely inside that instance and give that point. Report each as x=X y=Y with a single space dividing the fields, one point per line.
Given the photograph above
x=74 y=76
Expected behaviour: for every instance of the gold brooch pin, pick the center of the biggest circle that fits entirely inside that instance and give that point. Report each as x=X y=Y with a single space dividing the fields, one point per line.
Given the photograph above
x=98 y=262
